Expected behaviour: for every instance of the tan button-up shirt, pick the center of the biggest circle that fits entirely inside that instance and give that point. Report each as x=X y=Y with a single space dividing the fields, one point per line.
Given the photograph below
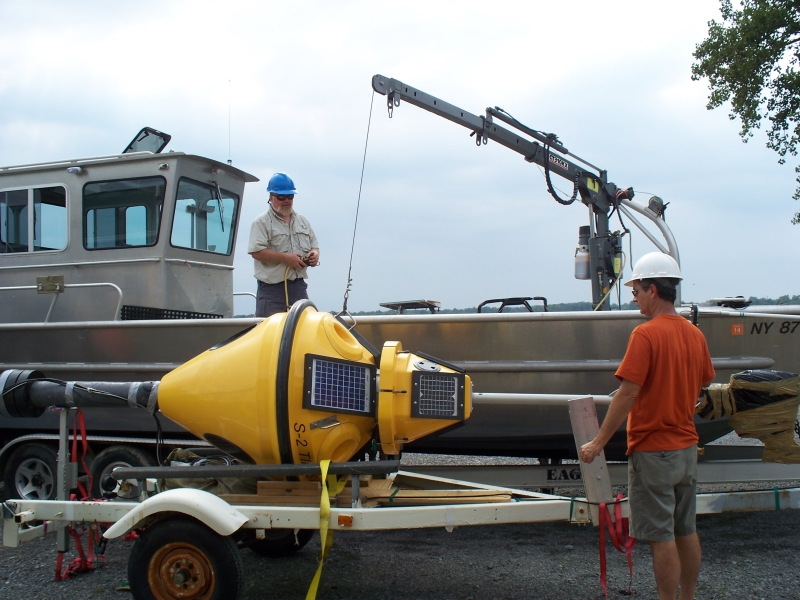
x=270 y=231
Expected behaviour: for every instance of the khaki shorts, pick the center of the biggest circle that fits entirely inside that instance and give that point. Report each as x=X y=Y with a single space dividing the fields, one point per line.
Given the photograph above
x=662 y=488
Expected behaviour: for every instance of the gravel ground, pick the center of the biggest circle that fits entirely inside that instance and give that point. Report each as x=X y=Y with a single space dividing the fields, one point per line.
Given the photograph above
x=746 y=555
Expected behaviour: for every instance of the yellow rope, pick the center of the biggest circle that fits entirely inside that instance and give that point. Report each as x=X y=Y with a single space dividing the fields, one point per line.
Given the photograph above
x=286 y=286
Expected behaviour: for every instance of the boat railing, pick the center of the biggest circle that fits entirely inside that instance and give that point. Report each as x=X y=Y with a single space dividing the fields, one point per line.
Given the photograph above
x=57 y=288
x=246 y=294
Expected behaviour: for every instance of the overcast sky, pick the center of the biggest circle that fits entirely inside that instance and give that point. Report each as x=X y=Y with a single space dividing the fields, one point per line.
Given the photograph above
x=440 y=219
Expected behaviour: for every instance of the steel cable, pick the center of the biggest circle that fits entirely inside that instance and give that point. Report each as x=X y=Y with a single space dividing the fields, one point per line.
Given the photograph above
x=358 y=206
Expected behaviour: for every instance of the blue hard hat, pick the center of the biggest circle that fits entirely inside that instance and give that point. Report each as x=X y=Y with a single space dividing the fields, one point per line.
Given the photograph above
x=281 y=183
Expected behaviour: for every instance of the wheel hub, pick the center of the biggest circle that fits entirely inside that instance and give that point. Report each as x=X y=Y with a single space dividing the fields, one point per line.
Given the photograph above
x=34 y=479
x=181 y=571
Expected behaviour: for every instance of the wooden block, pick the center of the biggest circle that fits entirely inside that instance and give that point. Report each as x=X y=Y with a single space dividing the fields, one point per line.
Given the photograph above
x=373 y=486
x=380 y=484
x=596 y=480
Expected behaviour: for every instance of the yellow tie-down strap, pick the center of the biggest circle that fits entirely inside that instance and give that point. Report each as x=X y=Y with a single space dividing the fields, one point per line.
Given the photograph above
x=329 y=482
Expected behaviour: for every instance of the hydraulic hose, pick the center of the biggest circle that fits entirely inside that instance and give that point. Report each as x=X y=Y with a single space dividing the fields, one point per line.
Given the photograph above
x=286 y=287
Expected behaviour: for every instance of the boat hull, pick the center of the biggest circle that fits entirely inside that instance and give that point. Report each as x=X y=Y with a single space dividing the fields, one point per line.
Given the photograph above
x=534 y=353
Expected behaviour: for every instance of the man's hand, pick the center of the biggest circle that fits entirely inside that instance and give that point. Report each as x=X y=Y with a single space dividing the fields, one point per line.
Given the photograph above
x=294 y=260
x=621 y=405
x=590 y=451
x=313 y=258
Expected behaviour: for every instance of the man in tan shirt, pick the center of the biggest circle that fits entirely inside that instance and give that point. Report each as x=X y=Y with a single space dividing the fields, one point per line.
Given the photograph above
x=282 y=244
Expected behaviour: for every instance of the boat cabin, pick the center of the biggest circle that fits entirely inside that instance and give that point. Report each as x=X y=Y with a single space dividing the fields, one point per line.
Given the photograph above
x=160 y=227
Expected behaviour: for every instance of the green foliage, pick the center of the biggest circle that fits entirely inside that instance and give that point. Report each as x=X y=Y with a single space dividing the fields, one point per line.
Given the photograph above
x=751 y=60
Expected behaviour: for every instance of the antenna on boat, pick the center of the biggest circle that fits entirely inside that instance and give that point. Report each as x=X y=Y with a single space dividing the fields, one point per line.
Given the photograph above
x=230 y=162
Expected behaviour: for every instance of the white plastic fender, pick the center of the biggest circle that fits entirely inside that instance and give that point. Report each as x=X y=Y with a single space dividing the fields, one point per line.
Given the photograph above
x=203 y=506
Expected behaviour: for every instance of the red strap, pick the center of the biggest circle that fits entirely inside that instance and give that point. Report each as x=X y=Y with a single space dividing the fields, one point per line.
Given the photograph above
x=83 y=562
x=59 y=562
x=619 y=537
x=80 y=420
x=603 y=583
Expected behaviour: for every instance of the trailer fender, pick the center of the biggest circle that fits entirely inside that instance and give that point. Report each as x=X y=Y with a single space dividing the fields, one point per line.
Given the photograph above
x=203 y=506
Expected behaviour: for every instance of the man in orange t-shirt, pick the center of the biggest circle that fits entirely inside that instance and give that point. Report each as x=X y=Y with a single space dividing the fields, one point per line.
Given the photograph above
x=666 y=364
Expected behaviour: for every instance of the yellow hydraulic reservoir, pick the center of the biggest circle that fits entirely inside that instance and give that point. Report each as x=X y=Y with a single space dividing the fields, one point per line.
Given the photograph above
x=300 y=388
x=418 y=396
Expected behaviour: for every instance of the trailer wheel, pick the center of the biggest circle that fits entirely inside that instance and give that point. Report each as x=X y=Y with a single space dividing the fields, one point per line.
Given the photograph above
x=31 y=473
x=108 y=460
x=278 y=543
x=182 y=558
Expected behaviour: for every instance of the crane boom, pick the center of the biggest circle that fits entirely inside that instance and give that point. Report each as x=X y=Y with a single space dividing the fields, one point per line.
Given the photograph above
x=589 y=182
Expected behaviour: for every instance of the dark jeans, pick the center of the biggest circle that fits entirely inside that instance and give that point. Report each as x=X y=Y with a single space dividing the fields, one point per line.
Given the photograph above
x=271 y=297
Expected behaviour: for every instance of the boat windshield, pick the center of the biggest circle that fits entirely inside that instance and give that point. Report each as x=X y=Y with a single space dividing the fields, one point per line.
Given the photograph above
x=125 y=213
x=204 y=217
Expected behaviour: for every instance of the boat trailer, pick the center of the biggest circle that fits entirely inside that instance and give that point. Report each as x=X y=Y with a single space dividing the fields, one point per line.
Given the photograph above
x=357 y=495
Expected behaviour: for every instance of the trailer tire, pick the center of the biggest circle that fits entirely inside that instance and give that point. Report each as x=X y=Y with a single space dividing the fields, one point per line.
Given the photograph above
x=180 y=557
x=111 y=458
x=31 y=473
x=278 y=543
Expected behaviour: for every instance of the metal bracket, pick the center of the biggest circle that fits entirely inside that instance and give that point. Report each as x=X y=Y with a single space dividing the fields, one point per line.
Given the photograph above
x=326 y=423
x=50 y=284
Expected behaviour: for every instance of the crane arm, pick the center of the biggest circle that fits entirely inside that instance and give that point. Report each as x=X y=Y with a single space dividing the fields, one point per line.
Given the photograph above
x=544 y=150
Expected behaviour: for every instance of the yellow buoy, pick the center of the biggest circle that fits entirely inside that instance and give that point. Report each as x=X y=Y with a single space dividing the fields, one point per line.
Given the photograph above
x=300 y=388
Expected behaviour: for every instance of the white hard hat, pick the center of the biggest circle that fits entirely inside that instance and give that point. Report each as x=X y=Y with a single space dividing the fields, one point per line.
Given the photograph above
x=655 y=265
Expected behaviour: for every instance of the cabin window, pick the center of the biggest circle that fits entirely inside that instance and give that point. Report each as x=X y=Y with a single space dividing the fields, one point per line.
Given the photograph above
x=125 y=213
x=204 y=217
x=33 y=220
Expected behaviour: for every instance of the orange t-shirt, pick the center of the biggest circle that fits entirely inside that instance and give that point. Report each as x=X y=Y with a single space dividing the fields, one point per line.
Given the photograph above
x=669 y=358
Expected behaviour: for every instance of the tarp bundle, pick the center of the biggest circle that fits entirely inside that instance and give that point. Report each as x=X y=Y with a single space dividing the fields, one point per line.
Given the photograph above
x=759 y=404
